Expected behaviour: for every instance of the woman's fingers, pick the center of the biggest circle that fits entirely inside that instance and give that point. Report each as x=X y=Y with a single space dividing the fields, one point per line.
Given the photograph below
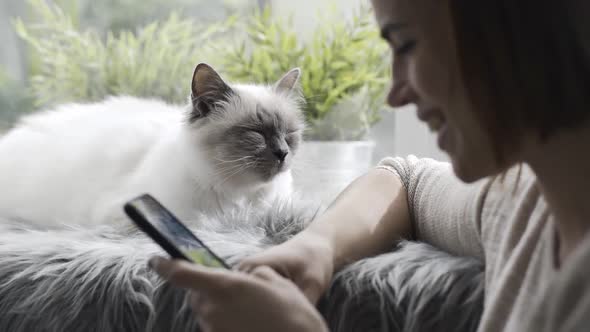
x=226 y=300
x=266 y=273
x=192 y=276
x=245 y=266
x=206 y=280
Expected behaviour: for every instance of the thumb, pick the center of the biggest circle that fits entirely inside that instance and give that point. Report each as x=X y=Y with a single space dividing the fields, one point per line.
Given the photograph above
x=192 y=276
x=249 y=264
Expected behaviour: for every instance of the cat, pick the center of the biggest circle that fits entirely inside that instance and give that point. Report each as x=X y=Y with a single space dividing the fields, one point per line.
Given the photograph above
x=232 y=146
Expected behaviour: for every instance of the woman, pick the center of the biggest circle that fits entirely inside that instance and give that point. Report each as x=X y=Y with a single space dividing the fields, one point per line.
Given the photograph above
x=504 y=83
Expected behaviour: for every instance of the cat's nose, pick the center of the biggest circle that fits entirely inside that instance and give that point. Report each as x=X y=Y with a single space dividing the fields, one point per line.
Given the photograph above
x=280 y=154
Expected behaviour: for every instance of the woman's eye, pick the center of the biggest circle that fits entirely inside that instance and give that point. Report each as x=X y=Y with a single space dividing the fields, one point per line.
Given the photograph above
x=405 y=47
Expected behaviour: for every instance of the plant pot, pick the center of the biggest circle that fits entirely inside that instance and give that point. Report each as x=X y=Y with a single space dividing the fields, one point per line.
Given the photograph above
x=323 y=169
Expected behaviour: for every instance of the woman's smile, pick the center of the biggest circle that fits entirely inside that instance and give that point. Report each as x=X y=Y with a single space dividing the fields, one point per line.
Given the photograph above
x=437 y=123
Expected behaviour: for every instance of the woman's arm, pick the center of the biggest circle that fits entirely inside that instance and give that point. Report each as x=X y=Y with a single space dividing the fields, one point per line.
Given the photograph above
x=399 y=199
x=365 y=219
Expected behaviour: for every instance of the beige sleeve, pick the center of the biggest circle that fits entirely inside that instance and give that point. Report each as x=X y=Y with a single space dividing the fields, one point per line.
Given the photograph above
x=445 y=211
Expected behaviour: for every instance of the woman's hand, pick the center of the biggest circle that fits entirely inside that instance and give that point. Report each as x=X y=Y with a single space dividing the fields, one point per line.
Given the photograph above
x=306 y=260
x=234 y=301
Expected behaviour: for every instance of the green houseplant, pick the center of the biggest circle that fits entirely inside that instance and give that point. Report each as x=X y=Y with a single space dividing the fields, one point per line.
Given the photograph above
x=345 y=69
x=344 y=64
x=72 y=64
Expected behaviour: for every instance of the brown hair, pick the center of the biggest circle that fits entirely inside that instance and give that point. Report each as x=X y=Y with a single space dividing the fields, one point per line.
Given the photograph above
x=525 y=63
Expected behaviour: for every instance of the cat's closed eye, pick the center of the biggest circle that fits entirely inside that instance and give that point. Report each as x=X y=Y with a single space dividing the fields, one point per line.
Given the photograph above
x=255 y=137
x=292 y=138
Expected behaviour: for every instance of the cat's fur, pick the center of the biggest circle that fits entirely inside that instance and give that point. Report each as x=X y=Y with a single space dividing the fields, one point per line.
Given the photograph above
x=79 y=163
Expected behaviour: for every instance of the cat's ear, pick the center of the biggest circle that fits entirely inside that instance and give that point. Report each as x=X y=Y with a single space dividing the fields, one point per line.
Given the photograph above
x=207 y=89
x=288 y=82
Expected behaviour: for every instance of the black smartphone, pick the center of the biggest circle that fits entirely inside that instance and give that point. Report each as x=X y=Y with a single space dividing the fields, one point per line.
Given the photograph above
x=171 y=234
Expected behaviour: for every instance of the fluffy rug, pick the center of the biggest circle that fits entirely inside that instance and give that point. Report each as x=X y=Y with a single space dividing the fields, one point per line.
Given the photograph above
x=75 y=279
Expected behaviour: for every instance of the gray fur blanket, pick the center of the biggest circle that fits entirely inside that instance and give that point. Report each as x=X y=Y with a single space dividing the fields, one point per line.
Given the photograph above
x=75 y=279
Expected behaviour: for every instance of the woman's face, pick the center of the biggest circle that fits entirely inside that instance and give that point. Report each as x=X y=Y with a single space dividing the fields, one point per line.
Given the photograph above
x=426 y=73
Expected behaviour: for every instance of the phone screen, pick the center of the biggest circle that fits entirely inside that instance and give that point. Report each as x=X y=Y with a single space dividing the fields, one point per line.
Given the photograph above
x=168 y=231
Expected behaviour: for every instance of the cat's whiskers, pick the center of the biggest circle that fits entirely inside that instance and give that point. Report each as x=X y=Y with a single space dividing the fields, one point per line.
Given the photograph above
x=222 y=161
x=227 y=167
x=224 y=171
x=241 y=170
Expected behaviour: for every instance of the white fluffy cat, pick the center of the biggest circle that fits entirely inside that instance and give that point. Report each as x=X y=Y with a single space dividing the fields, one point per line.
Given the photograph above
x=78 y=164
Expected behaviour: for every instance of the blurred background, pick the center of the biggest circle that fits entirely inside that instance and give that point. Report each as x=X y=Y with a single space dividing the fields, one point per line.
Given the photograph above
x=61 y=51
x=397 y=133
